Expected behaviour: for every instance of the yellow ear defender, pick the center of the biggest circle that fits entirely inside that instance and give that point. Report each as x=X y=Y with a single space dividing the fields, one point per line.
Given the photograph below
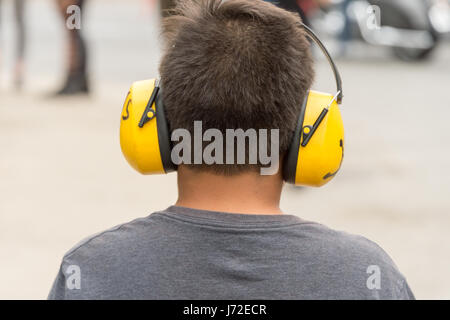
x=313 y=159
x=317 y=148
x=144 y=133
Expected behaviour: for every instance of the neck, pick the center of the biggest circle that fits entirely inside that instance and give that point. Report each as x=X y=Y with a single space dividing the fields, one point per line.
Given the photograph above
x=248 y=193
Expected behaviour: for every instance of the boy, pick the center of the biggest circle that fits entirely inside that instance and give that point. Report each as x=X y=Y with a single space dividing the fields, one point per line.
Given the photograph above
x=230 y=64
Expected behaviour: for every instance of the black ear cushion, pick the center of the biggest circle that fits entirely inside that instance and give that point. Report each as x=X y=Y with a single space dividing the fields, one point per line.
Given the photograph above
x=163 y=135
x=292 y=156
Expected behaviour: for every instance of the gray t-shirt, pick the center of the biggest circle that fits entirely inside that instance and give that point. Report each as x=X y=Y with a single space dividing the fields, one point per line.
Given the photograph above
x=182 y=253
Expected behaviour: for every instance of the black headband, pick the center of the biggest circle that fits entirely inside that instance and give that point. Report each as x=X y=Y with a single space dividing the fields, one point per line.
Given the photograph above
x=337 y=76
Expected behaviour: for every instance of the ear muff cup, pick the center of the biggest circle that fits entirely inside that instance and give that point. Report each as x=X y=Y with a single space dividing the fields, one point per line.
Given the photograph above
x=147 y=149
x=320 y=159
x=292 y=156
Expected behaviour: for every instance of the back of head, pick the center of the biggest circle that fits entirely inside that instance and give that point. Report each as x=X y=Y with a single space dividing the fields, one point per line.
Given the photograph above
x=235 y=64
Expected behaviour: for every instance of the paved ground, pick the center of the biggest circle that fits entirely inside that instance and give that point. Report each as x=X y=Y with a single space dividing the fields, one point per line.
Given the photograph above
x=62 y=175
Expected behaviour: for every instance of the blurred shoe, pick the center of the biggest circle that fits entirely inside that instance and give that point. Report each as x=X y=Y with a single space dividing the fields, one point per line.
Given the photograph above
x=75 y=84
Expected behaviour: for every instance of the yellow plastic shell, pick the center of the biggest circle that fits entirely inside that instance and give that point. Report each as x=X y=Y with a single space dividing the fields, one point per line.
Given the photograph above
x=140 y=146
x=319 y=161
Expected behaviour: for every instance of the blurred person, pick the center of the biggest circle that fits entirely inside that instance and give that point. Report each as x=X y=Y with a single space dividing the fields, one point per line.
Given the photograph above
x=19 y=7
x=76 y=70
x=299 y=6
x=166 y=6
x=302 y=7
x=346 y=33
x=231 y=64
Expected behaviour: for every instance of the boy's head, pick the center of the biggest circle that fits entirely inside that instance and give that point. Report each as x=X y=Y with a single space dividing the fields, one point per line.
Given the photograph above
x=235 y=64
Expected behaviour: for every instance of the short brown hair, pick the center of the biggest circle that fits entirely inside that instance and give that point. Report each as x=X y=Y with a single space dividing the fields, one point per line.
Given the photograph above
x=235 y=64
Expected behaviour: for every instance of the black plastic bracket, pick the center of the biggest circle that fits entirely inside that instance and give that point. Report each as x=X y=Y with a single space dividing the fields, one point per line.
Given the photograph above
x=309 y=131
x=148 y=109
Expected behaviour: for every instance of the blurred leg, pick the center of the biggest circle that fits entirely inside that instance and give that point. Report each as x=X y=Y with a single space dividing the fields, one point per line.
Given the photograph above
x=345 y=35
x=0 y=37
x=20 y=43
x=76 y=81
x=346 y=32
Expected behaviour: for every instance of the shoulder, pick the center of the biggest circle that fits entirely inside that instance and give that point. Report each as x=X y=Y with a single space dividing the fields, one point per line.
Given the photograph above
x=356 y=262
x=115 y=240
x=89 y=266
x=347 y=245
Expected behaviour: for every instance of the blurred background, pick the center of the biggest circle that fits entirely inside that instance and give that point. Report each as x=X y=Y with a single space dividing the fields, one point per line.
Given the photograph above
x=63 y=177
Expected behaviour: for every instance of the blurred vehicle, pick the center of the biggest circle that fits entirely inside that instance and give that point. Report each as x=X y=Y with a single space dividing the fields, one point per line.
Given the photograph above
x=439 y=14
x=411 y=28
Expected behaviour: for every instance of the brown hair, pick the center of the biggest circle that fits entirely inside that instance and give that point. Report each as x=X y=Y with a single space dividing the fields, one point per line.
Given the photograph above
x=235 y=64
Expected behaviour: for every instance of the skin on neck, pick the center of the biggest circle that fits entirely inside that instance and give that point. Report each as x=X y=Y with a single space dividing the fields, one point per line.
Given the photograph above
x=247 y=193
